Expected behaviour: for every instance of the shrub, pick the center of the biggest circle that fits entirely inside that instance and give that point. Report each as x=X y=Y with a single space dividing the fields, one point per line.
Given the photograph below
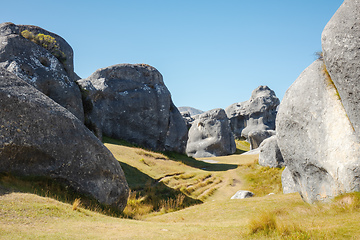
x=46 y=41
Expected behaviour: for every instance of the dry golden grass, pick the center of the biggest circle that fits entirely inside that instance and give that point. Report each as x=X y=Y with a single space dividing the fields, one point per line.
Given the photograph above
x=166 y=184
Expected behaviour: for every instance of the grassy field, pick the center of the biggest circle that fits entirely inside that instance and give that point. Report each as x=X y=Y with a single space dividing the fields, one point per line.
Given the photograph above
x=176 y=197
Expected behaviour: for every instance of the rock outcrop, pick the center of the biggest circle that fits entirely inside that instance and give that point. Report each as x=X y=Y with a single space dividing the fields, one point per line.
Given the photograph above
x=256 y=137
x=39 y=65
x=316 y=138
x=318 y=120
x=41 y=138
x=270 y=155
x=131 y=102
x=341 y=44
x=210 y=135
x=258 y=113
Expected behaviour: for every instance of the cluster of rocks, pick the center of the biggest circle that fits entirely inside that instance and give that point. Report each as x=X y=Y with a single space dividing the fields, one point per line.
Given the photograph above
x=52 y=121
x=47 y=111
x=318 y=122
x=212 y=133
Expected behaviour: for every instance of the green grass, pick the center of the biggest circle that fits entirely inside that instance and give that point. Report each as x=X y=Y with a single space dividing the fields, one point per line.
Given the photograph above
x=262 y=180
x=242 y=146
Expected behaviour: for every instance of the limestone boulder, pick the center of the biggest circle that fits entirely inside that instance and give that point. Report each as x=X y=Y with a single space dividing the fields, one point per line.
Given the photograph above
x=341 y=50
x=256 y=137
x=316 y=138
x=258 y=113
x=131 y=102
x=270 y=155
x=210 y=135
x=241 y=194
x=52 y=75
x=40 y=138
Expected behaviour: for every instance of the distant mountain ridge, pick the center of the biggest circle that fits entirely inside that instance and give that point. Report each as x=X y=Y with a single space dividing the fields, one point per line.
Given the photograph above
x=191 y=110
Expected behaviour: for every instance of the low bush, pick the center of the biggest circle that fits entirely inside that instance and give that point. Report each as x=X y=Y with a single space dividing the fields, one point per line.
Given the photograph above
x=46 y=41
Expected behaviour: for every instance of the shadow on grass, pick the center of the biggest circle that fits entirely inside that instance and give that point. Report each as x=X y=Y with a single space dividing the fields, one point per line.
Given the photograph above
x=57 y=189
x=178 y=157
x=153 y=191
x=192 y=162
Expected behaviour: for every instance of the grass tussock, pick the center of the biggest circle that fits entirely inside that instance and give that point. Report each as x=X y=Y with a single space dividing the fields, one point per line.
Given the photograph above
x=268 y=224
x=347 y=202
x=77 y=204
x=155 y=198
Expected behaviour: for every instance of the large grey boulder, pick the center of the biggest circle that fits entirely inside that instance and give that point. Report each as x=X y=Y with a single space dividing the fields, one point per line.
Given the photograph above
x=131 y=102
x=316 y=138
x=258 y=113
x=39 y=67
x=256 y=137
x=341 y=48
x=210 y=135
x=41 y=138
x=270 y=155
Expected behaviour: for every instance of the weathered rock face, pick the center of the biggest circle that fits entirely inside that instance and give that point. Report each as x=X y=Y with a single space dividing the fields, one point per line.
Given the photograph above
x=131 y=102
x=287 y=182
x=256 y=137
x=258 y=113
x=41 y=138
x=270 y=155
x=341 y=44
x=187 y=118
x=316 y=138
x=210 y=135
x=40 y=68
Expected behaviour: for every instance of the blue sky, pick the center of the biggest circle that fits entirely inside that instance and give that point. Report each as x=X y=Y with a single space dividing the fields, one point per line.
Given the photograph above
x=210 y=53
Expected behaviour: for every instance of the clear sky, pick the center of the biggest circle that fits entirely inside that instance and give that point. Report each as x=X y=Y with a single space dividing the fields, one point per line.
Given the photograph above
x=210 y=53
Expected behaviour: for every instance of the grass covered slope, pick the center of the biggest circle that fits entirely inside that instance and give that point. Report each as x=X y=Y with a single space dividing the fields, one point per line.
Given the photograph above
x=164 y=183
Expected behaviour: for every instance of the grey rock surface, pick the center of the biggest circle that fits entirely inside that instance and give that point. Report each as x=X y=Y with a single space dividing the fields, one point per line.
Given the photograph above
x=210 y=135
x=258 y=113
x=252 y=152
x=316 y=138
x=38 y=67
x=341 y=49
x=131 y=102
x=187 y=118
x=41 y=138
x=256 y=137
x=270 y=155
x=191 y=110
x=287 y=182
x=241 y=194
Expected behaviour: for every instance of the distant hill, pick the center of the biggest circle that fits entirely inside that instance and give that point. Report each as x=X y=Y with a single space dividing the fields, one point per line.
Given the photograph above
x=192 y=111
